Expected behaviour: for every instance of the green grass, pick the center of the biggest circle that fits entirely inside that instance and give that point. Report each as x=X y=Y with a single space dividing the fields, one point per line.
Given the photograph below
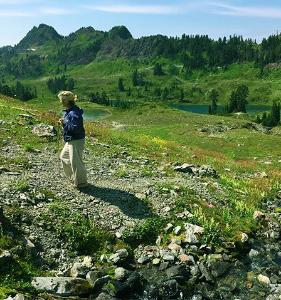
x=76 y=231
x=16 y=274
x=165 y=136
x=169 y=136
x=104 y=75
x=145 y=232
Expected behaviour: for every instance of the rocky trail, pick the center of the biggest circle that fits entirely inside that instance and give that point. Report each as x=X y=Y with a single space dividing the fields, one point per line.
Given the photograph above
x=114 y=202
x=34 y=194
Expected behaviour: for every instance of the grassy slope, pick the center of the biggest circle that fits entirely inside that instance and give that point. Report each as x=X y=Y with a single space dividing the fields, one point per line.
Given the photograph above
x=103 y=75
x=168 y=136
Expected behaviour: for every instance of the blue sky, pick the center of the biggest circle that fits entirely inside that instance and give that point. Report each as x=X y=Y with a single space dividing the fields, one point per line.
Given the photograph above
x=252 y=18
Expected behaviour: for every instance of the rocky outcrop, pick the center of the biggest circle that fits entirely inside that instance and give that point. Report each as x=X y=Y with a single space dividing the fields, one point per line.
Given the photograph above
x=63 y=286
x=44 y=130
x=196 y=170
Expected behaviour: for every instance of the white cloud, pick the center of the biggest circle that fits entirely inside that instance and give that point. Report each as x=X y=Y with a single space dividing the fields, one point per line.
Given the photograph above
x=137 y=9
x=18 y=2
x=245 y=11
x=56 y=11
x=14 y=13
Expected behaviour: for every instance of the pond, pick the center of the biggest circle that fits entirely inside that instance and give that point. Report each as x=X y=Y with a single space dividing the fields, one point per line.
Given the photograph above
x=203 y=108
x=93 y=114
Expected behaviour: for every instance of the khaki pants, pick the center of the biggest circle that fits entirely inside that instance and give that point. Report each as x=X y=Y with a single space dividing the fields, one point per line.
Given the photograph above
x=72 y=161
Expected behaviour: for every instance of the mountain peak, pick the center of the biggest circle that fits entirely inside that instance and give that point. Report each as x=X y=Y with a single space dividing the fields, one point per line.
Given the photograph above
x=121 y=32
x=38 y=36
x=85 y=29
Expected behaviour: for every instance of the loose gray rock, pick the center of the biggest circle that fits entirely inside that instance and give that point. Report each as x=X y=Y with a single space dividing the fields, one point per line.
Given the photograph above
x=93 y=276
x=168 y=257
x=79 y=270
x=218 y=268
x=120 y=254
x=192 y=233
x=203 y=170
x=143 y=259
x=44 y=130
x=63 y=286
x=253 y=253
x=263 y=279
x=120 y=273
x=5 y=257
x=100 y=282
x=177 y=272
x=205 y=272
x=104 y=296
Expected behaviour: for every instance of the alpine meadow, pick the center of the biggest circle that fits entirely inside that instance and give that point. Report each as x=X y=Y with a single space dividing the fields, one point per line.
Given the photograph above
x=183 y=159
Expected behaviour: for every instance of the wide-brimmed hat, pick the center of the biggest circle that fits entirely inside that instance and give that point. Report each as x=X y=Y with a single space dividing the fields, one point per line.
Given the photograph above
x=67 y=96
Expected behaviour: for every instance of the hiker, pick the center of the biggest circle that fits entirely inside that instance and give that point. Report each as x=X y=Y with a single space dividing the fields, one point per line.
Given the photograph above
x=74 y=138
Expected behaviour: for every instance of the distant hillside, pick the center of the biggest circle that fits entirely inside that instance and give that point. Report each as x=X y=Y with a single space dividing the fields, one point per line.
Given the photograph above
x=39 y=36
x=118 y=66
x=195 y=52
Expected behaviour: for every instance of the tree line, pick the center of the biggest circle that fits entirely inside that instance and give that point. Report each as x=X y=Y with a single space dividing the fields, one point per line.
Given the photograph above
x=194 y=52
x=271 y=118
x=60 y=83
x=103 y=99
x=237 y=103
x=19 y=91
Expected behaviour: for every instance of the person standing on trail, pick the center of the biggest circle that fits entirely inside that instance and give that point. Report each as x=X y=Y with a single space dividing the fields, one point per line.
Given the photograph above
x=74 y=137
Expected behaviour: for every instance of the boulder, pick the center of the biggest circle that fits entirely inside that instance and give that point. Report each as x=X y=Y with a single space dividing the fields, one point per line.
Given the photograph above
x=178 y=272
x=185 y=168
x=5 y=257
x=218 y=268
x=183 y=258
x=63 y=286
x=44 y=130
x=192 y=232
x=17 y=297
x=143 y=259
x=79 y=270
x=258 y=215
x=120 y=273
x=166 y=290
x=174 y=247
x=92 y=276
x=156 y=261
x=168 y=227
x=164 y=265
x=253 y=253
x=196 y=170
x=168 y=257
x=263 y=279
x=100 y=282
x=132 y=284
x=104 y=296
x=205 y=273
x=244 y=237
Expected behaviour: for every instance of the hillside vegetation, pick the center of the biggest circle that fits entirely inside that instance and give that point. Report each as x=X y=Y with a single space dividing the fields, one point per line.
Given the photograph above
x=168 y=69
x=180 y=206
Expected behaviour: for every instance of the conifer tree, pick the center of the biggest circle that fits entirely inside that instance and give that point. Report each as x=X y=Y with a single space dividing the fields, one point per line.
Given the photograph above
x=181 y=95
x=135 y=78
x=158 y=69
x=121 y=87
x=165 y=93
x=238 y=99
x=214 y=94
x=275 y=113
